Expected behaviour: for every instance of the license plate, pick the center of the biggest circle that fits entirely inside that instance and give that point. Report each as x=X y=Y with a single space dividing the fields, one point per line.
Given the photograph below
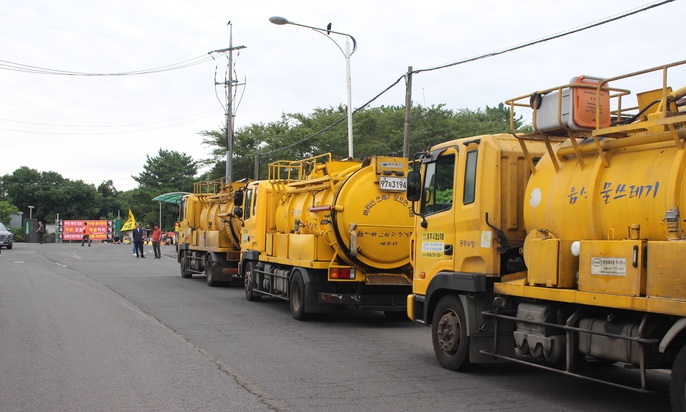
x=393 y=184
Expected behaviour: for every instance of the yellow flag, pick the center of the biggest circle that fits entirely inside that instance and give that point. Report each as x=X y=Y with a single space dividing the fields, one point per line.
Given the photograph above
x=130 y=224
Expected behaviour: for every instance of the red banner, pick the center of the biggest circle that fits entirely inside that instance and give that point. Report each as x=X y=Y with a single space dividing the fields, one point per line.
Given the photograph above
x=73 y=229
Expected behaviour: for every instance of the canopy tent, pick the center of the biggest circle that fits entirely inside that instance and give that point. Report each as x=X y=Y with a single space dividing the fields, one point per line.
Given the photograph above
x=171 y=197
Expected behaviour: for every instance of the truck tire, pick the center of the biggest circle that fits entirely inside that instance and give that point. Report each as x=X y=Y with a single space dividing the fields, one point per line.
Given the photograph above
x=297 y=297
x=209 y=270
x=449 y=334
x=183 y=262
x=677 y=385
x=249 y=282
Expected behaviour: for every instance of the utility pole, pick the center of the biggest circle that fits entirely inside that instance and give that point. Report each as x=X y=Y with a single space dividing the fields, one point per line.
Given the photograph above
x=408 y=111
x=229 y=84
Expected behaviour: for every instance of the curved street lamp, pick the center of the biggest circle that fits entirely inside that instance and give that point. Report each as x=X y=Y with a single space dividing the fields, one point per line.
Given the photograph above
x=346 y=53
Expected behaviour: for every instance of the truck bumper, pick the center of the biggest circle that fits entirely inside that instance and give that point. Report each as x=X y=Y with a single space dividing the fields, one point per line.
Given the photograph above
x=415 y=308
x=366 y=302
x=410 y=307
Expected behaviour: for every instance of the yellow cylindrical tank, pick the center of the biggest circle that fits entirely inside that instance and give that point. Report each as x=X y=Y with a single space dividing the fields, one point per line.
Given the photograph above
x=633 y=191
x=361 y=209
x=212 y=212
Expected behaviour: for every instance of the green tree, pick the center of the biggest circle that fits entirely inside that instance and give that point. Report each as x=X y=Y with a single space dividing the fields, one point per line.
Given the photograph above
x=490 y=120
x=377 y=131
x=109 y=203
x=74 y=200
x=248 y=141
x=7 y=209
x=21 y=187
x=144 y=209
x=51 y=194
x=169 y=171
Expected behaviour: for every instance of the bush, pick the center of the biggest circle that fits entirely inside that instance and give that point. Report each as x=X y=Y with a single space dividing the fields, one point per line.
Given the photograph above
x=17 y=233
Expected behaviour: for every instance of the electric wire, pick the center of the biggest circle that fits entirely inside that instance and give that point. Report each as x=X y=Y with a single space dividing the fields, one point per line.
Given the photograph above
x=480 y=57
x=25 y=68
x=202 y=114
x=172 y=123
x=13 y=66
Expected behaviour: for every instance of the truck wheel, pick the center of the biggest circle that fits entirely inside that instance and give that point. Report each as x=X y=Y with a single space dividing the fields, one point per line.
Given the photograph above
x=297 y=297
x=449 y=334
x=209 y=270
x=184 y=262
x=249 y=282
x=677 y=385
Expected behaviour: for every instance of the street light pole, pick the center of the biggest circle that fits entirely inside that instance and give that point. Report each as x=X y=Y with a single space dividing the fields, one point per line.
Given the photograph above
x=30 y=212
x=346 y=53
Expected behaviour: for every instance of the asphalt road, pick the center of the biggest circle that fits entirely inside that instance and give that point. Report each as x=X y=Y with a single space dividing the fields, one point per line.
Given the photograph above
x=94 y=329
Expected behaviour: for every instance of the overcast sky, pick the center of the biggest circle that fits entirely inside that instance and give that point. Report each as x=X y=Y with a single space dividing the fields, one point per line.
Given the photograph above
x=97 y=128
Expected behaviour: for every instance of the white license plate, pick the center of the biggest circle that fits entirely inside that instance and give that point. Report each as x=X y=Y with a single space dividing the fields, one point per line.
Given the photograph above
x=393 y=184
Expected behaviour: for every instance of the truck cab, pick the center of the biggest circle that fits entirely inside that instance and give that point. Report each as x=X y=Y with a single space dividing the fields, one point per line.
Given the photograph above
x=470 y=229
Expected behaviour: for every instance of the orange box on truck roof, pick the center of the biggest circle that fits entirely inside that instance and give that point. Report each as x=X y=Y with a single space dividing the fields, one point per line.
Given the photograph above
x=575 y=108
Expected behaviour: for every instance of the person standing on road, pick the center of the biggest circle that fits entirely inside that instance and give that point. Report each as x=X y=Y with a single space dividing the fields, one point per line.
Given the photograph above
x=40 y=231
x=156 y=238
x=86 y=235
x=138 y=239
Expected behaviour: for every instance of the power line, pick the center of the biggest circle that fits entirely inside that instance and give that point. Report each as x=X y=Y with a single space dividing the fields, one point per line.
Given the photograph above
x=203 y=114
x=551 y=37
x=483 y=56
x=109 y=132
x=25 y=68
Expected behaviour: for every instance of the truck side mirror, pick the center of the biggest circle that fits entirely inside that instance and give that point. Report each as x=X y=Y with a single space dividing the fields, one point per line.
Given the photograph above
x=238 y=212
x=414 y=183
x=238 y=198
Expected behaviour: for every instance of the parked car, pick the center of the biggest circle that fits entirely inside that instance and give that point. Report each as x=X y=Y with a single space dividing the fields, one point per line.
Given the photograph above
x=5 y=237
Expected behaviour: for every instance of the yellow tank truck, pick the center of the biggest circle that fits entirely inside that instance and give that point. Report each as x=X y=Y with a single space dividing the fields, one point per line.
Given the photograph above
x=324 y=233
x=564 y=245
x=209 y=232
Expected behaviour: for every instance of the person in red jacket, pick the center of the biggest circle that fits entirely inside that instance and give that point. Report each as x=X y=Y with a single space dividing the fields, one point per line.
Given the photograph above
x=86 y=234
x=156 y=237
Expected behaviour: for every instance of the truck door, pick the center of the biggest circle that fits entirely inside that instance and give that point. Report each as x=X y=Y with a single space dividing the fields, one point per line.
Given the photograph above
x=249 y=232
x=434 y=244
